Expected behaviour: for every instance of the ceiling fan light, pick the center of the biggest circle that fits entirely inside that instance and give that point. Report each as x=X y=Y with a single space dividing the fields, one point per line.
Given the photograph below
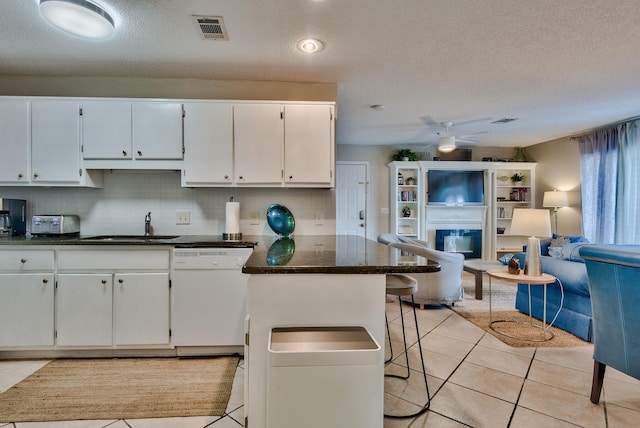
x=78 y=17
x=447 y=144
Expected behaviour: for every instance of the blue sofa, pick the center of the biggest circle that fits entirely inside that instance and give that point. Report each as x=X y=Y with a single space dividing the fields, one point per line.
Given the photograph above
x=575 y=315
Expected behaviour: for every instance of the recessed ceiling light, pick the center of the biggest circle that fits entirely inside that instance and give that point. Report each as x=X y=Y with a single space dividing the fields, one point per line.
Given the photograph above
x=78 y=17
x=377 y=107
x=310 y=45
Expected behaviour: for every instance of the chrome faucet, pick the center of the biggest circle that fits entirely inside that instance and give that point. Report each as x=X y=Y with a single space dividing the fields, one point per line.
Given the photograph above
x=147 y=224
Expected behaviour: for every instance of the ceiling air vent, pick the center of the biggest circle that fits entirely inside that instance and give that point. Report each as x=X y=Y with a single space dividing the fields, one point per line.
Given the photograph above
x=211 y=27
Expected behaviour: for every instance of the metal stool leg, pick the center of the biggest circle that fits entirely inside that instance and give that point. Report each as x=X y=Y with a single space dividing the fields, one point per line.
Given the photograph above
x=424 y=371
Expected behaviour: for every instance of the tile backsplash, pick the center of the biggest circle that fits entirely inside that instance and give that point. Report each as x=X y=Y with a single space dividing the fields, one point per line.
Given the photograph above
x=121 y=205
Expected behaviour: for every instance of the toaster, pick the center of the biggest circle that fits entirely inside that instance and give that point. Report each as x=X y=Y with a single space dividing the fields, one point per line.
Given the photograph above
x=55 y=224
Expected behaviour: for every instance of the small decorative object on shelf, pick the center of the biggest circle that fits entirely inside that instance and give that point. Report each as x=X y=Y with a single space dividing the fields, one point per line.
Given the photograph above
x=520 y=156
x=517 y=178
x=405 y=155
x=514 y=267
x=406 y=211
x=411 y=181
x=400 y=179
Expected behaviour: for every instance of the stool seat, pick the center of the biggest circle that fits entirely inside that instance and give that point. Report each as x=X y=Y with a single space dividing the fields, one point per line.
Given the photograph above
x=399 y=284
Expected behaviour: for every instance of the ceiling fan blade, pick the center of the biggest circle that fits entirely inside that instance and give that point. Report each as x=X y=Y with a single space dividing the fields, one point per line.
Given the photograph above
x=429 y=121
x=468 y=122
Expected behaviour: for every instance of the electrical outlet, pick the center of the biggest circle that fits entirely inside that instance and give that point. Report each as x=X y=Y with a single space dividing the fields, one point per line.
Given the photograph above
x=255 y=217
x=183 y=217
x=319 y=218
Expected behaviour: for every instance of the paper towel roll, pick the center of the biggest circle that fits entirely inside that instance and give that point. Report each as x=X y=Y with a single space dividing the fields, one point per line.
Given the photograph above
x=232 y=217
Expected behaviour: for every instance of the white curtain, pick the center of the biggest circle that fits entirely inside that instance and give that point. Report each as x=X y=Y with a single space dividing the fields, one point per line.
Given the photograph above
x=628 y=192
x=610 y=171
x=599 y=166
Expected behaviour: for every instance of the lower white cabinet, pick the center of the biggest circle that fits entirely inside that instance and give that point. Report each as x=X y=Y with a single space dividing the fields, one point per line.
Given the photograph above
x=84 y=306
x=141 y=308
x=113 y=297
x=26 y=309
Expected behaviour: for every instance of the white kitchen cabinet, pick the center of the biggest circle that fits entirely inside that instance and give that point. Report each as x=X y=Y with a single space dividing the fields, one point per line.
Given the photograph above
x=15 y=140
x=26 y=298
x=258 y=143
x=139 y=292
x=208 y=141
x=309 y=145
x=141 y=308
x=55 y=141
x=157 y=130
x=84 y=305
x=26 y=309
x=106 y=129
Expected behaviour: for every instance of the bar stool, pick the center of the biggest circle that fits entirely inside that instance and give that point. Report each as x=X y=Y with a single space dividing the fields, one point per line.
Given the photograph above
x=405 y=285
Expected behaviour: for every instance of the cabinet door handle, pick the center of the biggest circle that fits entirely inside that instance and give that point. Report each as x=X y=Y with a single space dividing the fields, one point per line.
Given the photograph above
x=139 y=153
x=35 y=175
x=23 y=261
x=124 y=153
x=226 y=177
x=241 y=178
x=44 y=281
x=120 y=280
x=291 y=177
x=20 y=175
x=104 y=281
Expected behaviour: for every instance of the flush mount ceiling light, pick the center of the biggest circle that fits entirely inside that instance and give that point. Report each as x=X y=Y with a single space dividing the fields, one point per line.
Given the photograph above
x=310 y=45
x=78 y=17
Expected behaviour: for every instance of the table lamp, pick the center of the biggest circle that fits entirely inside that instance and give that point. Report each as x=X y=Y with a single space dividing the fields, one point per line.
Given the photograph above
x=555 y=200
x=534 y=223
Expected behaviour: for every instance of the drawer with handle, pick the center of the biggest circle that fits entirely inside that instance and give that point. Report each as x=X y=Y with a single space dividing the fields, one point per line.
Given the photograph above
x=26 y=260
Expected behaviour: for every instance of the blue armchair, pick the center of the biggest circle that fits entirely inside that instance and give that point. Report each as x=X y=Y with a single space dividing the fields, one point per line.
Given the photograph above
x=614 y=285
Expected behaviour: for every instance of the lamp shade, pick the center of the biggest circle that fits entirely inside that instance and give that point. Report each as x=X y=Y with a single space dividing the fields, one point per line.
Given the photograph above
x=555 y=199
x=447 y=144
x=531 y=222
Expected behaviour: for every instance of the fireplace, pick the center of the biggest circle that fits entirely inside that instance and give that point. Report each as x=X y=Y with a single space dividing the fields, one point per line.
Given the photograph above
x=468 y=242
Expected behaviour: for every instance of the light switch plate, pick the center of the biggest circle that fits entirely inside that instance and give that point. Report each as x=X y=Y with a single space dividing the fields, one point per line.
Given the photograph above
x=255 y=217
x=183 y=217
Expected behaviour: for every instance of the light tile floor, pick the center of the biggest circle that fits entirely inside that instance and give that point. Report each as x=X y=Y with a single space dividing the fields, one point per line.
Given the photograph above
x=475 y=380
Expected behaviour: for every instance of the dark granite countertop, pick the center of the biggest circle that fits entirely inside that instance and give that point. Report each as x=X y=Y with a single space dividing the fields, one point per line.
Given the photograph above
x=184 y=241
x=335 y=254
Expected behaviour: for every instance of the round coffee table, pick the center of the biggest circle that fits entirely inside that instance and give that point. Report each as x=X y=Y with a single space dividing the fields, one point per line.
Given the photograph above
x=543 y=279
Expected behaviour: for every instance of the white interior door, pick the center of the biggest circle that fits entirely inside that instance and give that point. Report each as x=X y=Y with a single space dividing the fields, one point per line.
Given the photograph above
x=351 y=198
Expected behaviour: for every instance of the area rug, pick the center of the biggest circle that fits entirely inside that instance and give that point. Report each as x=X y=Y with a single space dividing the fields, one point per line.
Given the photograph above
x=503 y=296
x=121 y=388
x=521 y=328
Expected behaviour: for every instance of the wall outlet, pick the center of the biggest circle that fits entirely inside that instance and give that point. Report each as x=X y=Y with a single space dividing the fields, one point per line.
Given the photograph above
x=183 y=217
x=319 y=218
x=255 y=217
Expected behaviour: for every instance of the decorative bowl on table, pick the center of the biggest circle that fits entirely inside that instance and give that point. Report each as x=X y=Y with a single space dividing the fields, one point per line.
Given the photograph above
x=280 y=219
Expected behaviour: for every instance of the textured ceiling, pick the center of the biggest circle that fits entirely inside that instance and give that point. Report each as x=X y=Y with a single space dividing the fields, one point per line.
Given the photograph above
x=560 y=67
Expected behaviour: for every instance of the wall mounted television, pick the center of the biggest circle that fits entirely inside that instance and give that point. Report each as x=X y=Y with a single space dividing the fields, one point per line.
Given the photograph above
x=451 y=187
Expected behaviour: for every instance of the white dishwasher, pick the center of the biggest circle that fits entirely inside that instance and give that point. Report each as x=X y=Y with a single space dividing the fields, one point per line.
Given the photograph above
x=208 y=300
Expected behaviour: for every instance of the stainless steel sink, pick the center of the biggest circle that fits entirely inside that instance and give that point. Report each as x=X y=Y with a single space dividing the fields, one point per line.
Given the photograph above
x=129 y=238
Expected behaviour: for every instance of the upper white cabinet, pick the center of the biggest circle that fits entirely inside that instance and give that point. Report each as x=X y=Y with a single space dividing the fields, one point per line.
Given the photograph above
x=157 y=130
x=258 y=143
x=208 y=141
x=119 y=133
x=284 y=144
x=15 y=141
x=106 y=130
x=308 y=145
x=55 y=141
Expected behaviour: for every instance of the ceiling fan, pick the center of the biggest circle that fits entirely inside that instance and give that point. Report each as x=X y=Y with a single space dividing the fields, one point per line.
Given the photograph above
x=447 y=142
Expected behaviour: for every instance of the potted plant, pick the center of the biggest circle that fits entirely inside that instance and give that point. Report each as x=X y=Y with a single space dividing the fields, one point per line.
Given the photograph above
x=517 y=178
x=406 y=211
x=405 y=155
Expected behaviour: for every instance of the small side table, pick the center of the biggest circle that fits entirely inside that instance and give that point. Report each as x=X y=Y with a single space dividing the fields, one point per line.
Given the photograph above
x=477 y=268
x=543 y=279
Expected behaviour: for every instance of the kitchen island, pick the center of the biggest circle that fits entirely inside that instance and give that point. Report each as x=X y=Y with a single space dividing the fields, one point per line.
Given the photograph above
x=310 y=282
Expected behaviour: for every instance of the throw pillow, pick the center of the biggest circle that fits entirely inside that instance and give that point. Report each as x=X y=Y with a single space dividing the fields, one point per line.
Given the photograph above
x=572 y=251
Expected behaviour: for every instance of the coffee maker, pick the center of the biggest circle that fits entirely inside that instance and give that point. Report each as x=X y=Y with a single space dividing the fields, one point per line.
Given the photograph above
x=14 y=217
